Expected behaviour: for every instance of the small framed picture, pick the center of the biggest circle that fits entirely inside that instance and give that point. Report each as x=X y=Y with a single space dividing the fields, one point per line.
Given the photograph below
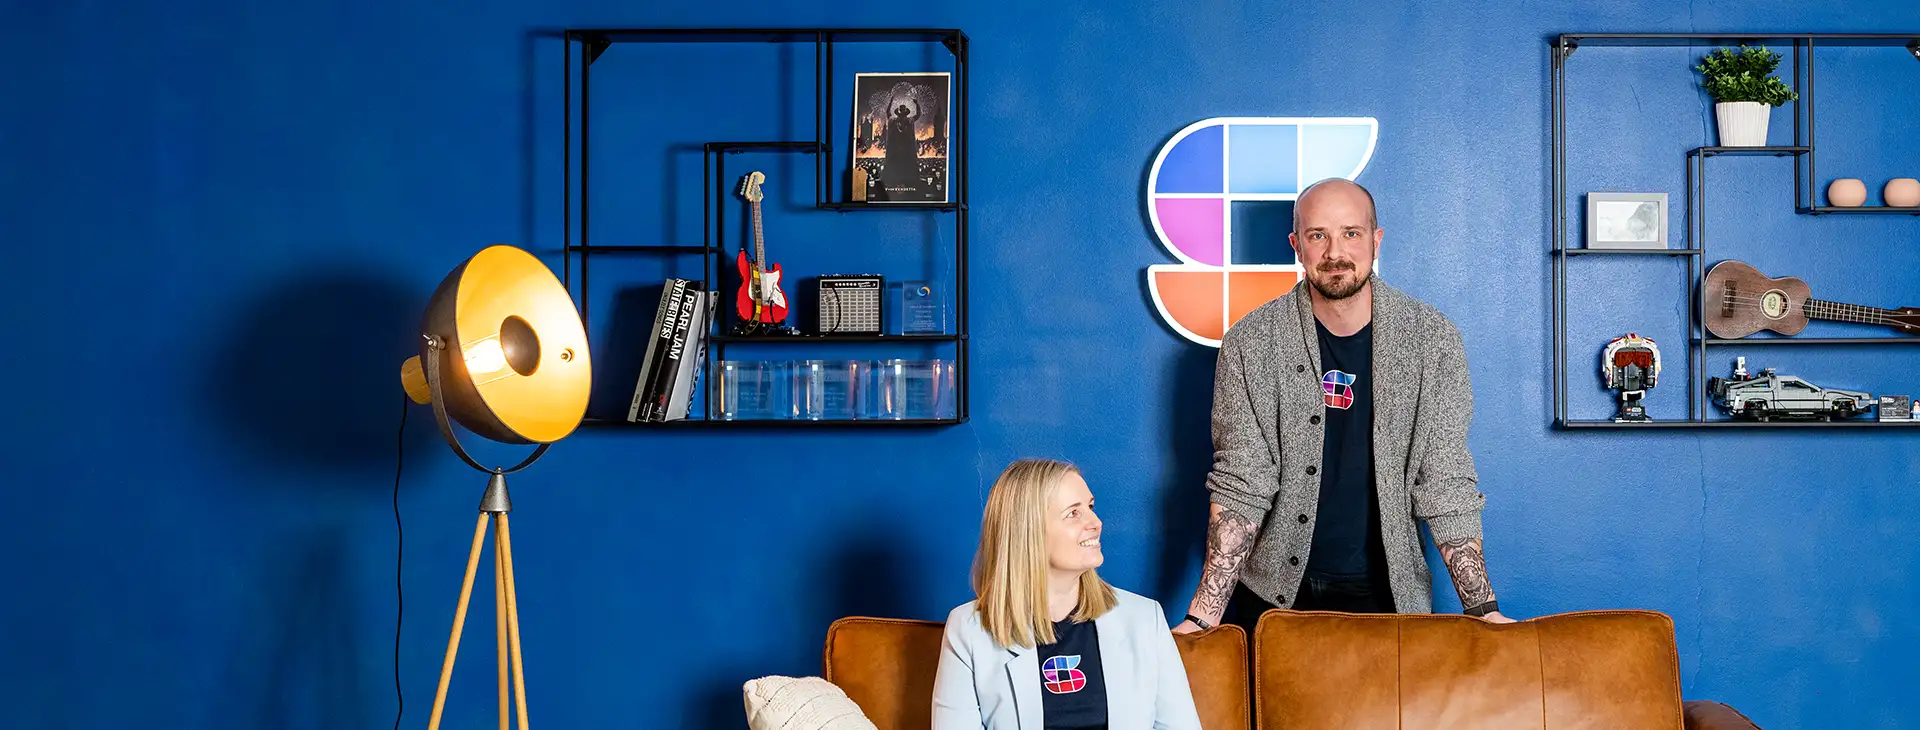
x=1627 y=220
x=900 y=137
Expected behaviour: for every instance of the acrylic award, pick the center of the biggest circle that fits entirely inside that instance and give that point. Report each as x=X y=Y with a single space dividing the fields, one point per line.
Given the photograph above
x=921 y=310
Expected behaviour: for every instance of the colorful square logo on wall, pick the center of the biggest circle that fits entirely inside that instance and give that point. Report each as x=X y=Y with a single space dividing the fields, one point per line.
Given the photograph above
x=1217 y=196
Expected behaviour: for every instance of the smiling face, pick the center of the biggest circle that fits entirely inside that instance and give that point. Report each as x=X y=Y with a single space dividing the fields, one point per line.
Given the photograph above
x=1335 y=237
x=1072 y=529
x=1039 y=537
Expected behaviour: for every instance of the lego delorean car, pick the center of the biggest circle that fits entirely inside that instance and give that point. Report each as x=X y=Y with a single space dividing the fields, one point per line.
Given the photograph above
x=1768 y=395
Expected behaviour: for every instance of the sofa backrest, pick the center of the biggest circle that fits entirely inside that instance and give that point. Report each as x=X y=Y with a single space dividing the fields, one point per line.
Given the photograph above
x=1591 y=669
x=887 y=667
x=1216 y=662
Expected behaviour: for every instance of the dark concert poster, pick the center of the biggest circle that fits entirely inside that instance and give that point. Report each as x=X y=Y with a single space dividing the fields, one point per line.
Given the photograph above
x=900 y=132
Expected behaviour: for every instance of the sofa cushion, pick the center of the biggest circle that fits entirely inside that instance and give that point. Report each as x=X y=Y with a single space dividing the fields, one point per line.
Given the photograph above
x=800 y=703
x=1592 y=669
x=887 y=666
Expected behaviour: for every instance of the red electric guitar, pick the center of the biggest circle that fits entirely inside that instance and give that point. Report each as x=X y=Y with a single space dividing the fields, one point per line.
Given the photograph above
x=760 y=300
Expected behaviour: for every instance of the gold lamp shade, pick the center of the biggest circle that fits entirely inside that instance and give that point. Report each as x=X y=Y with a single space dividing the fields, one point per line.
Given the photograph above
x=513 y=365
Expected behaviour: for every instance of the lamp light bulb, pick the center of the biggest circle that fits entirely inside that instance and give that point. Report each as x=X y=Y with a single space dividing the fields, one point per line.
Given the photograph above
x=486 y=360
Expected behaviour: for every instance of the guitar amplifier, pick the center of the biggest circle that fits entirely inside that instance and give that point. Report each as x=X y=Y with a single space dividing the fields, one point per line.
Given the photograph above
x=849 y=304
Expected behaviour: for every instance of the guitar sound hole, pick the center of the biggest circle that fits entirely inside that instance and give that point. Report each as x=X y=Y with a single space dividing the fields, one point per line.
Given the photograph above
x=1774 y=304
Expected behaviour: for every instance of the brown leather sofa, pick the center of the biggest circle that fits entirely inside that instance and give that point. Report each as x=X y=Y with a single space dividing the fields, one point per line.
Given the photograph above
x=1611 y=670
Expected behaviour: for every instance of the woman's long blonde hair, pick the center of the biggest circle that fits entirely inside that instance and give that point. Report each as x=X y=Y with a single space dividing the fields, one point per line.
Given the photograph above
x=1010 y=569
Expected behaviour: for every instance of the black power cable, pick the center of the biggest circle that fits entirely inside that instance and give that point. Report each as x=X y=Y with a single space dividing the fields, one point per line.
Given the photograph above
x=400 y=551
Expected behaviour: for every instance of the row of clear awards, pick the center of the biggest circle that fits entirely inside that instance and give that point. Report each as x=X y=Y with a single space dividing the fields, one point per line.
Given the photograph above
x=819 y=390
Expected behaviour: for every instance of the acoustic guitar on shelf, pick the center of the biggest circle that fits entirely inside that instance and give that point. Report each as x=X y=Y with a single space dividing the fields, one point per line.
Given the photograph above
x=760 y=300
x=1741 y=301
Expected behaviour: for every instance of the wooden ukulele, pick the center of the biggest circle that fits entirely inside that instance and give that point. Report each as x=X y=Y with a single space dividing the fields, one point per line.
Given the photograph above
x=1741 y=301
x=760 y=300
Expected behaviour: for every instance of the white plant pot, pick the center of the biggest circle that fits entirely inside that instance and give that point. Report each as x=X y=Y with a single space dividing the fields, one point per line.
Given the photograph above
x=1742 y=123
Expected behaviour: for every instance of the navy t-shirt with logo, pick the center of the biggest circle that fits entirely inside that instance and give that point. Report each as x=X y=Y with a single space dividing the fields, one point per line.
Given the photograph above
x=1073 y=690
x=1346 y=532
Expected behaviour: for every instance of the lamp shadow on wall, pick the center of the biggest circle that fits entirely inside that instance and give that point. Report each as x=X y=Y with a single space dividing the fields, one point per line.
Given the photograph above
x=868 y=572
x=620 y=348
x=308 y=378
x=304 y=670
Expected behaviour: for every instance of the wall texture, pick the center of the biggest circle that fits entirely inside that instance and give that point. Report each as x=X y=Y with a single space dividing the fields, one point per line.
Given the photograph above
x=221 y=220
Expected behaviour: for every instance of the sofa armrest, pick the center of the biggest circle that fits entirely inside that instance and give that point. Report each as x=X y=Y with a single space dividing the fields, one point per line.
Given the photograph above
x=1710 y=715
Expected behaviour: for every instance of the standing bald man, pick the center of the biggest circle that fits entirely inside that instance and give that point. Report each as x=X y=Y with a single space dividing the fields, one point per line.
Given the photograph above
x=1340 y=415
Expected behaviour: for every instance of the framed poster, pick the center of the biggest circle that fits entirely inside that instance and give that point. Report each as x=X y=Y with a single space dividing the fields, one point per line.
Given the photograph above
x=900 y=133
x=1627 y=220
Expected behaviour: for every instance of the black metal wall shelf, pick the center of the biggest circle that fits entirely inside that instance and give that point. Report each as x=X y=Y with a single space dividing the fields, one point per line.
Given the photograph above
x=663 y=248
x=747 y=423
x=1771 y=151
x=1803 y=152
x=1628 y=252
x=595 y=42
x=599 y=39
x=1571 y=41
x=1741 y=424
x=905 y=205
x=804 y=339
x=1767 y=341
x=1830 y=209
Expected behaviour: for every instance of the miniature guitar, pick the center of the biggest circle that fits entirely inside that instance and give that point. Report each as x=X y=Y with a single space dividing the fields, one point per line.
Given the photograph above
x=760 y=299
x=1741 y=301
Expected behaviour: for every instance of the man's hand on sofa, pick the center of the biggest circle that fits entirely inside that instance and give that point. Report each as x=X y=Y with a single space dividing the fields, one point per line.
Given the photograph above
x=1186 y=627
x=1495 y=617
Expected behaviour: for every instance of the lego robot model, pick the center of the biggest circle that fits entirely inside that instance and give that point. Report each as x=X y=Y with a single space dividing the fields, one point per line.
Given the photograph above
x=1631 y=364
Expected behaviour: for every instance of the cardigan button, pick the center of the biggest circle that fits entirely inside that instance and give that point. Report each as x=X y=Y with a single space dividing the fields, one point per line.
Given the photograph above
x=1302 y=519
x=1295 y=560
x=1312 y=470
x=1314 y=420
x=1299 y=368
x=1281 y=599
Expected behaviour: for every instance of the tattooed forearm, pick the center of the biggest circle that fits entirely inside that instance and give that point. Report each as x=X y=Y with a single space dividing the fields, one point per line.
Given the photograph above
x=1469 y=568
x=1229 y=540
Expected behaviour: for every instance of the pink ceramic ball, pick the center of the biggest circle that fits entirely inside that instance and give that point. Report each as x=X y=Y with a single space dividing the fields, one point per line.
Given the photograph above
x=1847 y=192
x=1902 y=193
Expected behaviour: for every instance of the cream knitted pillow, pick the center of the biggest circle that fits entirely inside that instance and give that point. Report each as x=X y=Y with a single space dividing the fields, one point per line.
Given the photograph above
x=801 y=703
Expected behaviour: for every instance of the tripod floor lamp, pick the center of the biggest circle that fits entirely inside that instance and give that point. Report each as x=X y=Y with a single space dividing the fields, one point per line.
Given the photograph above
x=504 y=354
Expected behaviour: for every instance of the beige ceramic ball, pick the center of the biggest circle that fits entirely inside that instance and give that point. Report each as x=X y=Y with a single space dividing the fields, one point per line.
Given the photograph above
x=1847 y=192
x=1902 y=192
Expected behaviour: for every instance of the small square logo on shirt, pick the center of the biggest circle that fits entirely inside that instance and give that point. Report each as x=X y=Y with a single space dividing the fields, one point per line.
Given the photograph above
x=1337 y=389
x=1062 y=675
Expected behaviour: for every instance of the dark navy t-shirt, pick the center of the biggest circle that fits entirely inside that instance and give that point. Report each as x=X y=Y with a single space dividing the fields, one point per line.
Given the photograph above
x=1073 y=690
x=1346 y=533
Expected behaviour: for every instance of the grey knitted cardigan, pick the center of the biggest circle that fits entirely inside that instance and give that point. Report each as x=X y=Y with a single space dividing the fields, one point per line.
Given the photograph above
x=1268 y=426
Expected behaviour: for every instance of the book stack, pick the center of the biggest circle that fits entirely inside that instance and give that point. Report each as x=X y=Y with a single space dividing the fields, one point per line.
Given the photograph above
x=676 y=349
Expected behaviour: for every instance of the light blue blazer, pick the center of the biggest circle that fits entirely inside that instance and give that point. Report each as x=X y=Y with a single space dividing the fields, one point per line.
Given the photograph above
x=980 y=685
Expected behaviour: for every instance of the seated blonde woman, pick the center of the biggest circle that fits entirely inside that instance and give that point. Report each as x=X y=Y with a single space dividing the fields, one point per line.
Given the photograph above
x=1048 y=645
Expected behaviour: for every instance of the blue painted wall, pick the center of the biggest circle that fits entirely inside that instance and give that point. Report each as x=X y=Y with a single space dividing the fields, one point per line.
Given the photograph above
x=221 y=220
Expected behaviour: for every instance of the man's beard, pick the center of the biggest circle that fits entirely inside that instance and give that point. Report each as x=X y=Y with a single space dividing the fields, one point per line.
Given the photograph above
x=1336 y=291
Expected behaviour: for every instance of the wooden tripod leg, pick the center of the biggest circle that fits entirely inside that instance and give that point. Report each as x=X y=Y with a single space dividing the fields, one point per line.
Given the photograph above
x=513 y=621
x=500 y=617
x=459 y=621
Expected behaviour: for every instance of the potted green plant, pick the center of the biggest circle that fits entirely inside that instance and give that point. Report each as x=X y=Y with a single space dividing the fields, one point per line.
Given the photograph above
x=1745 y=91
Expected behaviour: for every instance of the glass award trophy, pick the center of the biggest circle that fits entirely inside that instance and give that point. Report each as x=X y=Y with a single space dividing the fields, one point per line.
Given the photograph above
x=921 y=310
